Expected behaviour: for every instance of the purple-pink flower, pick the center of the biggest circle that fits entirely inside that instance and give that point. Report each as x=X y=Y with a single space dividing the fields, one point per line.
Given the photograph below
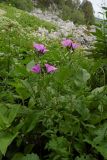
x=40 y=48
x=75 y=45
x=70 y=44
x=67 y=43
x=50 y=68
x=36 y=68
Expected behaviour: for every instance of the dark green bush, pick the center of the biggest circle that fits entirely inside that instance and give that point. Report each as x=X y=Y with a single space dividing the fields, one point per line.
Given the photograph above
x=87 y=9
x=99 y=51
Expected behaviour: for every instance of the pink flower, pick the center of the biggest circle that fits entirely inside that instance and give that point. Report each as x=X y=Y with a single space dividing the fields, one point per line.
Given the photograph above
x=67 y=43
x=40 y=48
x=36 y=68
x=50 y=68
x=70 y=44
x=75 y=45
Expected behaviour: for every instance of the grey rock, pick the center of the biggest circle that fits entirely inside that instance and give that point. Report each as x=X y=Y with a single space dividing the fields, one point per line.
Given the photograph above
x=80 y=33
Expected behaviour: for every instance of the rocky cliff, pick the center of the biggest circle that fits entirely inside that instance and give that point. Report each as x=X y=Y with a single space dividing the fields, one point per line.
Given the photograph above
x=80 y=33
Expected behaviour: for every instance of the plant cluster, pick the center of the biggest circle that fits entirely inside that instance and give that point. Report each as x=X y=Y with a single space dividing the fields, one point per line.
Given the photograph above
x=53 y=101
x=100 y=45
x=99 y=49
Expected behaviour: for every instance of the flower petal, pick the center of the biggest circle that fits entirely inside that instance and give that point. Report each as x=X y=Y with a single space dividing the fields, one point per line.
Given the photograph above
x=40 y=48
x=67 y=43
x=50 y=68
x=75 y=45
x=36 y=68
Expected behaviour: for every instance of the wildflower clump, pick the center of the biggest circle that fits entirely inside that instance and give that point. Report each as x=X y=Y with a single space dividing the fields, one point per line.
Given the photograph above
x=41 y=50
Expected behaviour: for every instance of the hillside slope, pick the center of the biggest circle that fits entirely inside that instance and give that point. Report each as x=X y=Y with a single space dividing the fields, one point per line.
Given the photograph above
x=53 y=98
x=17 y=27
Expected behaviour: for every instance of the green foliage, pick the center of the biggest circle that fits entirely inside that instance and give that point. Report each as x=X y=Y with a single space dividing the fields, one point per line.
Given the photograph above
x=74 y=15
x=100 y=46
x=30 y=157
x=66 y=11
x=47 y=3
x=78 y=17
x=99 y=51
x=25 y=19
x=20 y=156
x=21 y=4
x=55 y=116
x=57 y=109
x=18 y=28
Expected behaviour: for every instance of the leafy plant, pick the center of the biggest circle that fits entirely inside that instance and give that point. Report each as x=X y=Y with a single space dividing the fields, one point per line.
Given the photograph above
x=100 y=46
x=52 y=116
x=21 y=4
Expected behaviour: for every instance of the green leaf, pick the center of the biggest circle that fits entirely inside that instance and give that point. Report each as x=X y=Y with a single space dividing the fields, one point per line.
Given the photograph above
x=31 y=121
x=100 y=141
x=30 y=65
x=30 y=157
x=31 y=102
x=102 y=148
x=63 y=75
x=5 y=140
x=81 y=77
x=85 y=75
x=28 y=86
x=17 y=156
x=22 y=90
x=8 y=114
x=59 y=145
x=98 y=90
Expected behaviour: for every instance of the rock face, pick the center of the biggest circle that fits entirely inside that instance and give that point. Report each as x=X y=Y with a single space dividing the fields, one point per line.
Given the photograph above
x=65 y=28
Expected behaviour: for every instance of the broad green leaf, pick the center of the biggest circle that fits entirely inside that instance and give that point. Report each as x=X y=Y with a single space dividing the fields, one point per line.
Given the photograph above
x=31 y=121
x=5 y=140
x=85 y=75
x=8 y=114
x=22 y=90
x=30 y=65
x=81 y=77
x=28 y=86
